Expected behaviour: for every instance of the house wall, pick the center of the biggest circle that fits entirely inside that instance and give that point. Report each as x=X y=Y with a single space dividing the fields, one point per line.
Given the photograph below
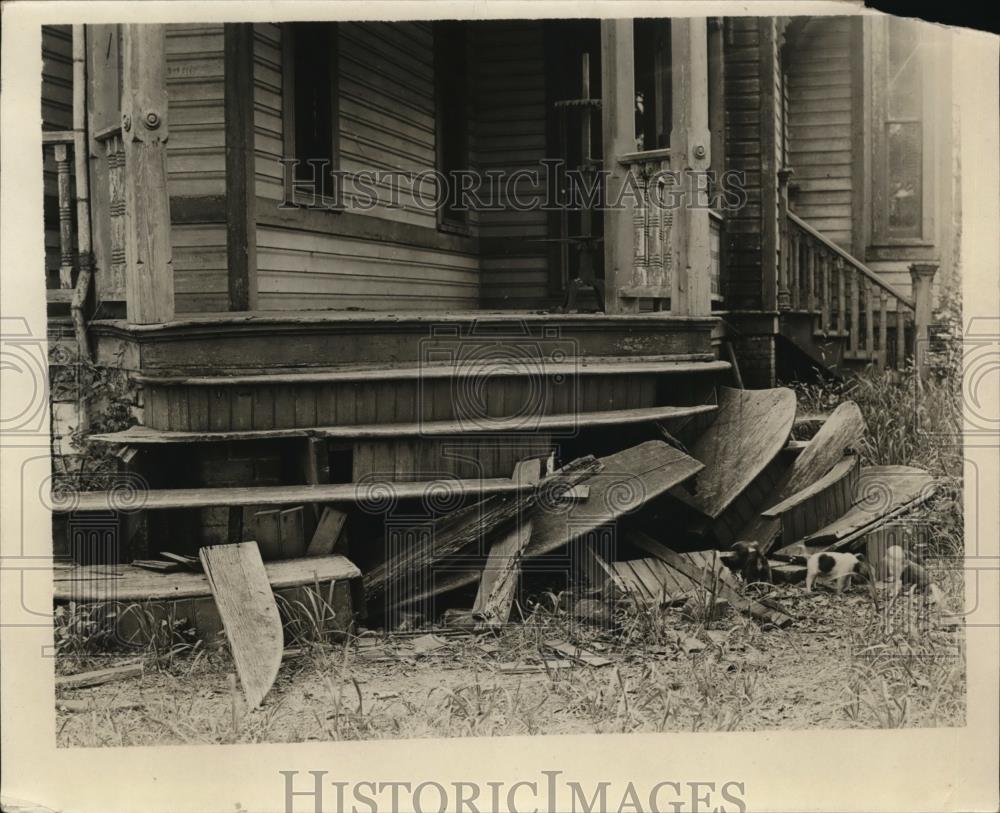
x=319 y=261
x=820 y=121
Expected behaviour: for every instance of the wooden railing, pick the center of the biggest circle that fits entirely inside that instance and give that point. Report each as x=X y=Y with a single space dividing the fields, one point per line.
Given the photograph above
x=878 y=323
x=652 y=219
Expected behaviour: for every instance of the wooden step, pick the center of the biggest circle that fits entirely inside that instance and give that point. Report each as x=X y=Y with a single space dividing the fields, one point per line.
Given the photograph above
x=161 y=499
x=505 y=368
x=530 y=425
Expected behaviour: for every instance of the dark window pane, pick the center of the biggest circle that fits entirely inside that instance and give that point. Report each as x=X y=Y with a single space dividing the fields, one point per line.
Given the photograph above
x=314 y=48
x=451 y=67
x=905 y=193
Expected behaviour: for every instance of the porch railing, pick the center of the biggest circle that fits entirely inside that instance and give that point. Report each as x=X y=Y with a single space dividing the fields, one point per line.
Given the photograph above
x=845 y=298
x=57 y=151
x=652 y=218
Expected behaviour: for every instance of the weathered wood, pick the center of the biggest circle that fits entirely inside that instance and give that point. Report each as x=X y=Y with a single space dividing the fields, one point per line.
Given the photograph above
x=841 y=297
x=723 y=580
x=241 y=195
x=543 y=423
x=292 y=525
x=65 y=198
x=84 y=706
x=816 y=505
x=98 y=677
x=900 y=338
x=869 y=320
x=162 y=499
x=783 y=300
x=749 y=430
x=690 y=143
x=268 y=534
x=618 y=124
x=460 y=531
x=922 y=279
x=91 y=583
x=883 y=329
x=651 y=581
x=883 y=493
x=242 y=592
x=148 y=259
x=327 y=533
x=839 y=434
x=498 y=583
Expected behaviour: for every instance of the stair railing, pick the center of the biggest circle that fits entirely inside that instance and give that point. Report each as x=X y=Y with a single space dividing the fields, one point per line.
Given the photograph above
x=847 y=299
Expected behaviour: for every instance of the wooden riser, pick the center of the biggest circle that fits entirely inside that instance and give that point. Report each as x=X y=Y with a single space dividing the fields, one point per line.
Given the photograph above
x=468 y=400
x=263 y=342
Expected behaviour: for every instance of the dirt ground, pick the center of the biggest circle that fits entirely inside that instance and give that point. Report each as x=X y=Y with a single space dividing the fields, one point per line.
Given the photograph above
x=845 y=663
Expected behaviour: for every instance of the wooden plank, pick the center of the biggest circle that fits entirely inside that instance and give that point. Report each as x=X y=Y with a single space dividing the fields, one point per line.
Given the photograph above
x=242 y=592
x=883 y=492
x=91 y=583
x=327 y=533
x=840 y=434
x=292 y=525
x=161 y=499
x=498 y=583
x=837 y=473
x=821 y=503
x=508 y=369
x=98 y=677
x=751 y=427
x=148 y=260
x=618 y=417
x=268 y=530
x=726 y=585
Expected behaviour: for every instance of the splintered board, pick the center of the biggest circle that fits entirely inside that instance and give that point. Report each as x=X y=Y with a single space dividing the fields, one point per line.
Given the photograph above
x=627 y=480
x=651 y=582
x=249 y=613
x=882 y=493
x=751 y=427
x=840 y=434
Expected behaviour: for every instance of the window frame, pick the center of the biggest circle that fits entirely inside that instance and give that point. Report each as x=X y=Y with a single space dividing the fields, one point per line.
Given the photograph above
x=881 y=235
x=290 y=116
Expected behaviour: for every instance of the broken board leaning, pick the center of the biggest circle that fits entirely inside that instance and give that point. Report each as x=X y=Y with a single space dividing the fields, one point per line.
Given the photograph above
x=840 y=434
x=751 y=427
x=626 y=481
x=883 y=493
x=249 y=613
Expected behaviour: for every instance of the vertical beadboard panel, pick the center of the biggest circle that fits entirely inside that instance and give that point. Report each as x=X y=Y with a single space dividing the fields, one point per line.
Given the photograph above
x=819 y=126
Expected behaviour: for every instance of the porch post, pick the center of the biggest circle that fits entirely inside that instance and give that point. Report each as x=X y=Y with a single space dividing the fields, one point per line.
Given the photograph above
x=149 y=273
x=690 y=158
x=922 y=279
x=618 y=120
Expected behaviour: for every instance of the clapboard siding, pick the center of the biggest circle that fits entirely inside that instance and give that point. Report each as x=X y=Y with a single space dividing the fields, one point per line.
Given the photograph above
x=200 y=274
x=820 y=124
x=742 y=283
x=387 y=122
x=196 y=150
x=300 y=270
x=511 y=135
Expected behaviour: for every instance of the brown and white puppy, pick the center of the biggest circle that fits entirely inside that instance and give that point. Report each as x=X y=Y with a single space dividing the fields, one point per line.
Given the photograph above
x=837 y=567
x=751 y=562
x=903 y=572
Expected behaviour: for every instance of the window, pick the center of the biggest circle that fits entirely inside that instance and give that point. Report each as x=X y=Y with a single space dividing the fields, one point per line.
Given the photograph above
x=900 y=133
x=310 y=101
x=451 y=80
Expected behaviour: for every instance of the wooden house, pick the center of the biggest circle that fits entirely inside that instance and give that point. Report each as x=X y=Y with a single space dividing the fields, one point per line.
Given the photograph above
x=274 y=336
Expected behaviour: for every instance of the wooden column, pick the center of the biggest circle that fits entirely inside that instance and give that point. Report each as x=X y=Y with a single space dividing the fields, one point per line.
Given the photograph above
x=149 y=272
x=690 y=155
x=922 y=278
x=241 y=213
x=783 y=297
x=618 y=121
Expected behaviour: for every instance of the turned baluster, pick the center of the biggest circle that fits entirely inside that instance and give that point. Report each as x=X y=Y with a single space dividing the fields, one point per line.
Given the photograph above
x=825 y=293
x=65 y=180
x=841 y=297
x=853 y=317
x=869 y=319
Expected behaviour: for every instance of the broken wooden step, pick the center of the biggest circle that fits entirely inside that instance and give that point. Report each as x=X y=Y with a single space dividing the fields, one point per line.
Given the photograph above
x=882 y=494
x=370 y=431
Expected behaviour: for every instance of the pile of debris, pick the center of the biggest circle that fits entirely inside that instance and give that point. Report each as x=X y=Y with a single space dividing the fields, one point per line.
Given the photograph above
x=654 y=524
